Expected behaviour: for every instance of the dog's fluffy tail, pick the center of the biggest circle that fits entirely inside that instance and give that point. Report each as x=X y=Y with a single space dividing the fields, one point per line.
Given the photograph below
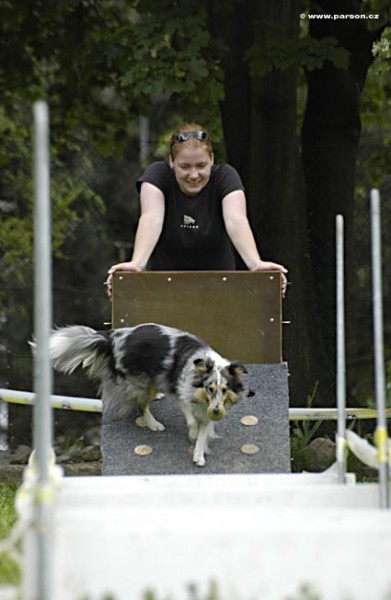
x=80 y=346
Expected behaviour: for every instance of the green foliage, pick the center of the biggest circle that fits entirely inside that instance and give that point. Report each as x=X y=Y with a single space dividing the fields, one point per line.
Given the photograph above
x=170 y=52
x=9 y=570
x=375 y=104
x=303 y=431
x=98 y=62
x=371 y=399
x=382 y=49
x=66 y=53
x=7 y=510
x=212 y=593
x=67 y=192
x=281 y=50
x=376 y=101
x=306 y=592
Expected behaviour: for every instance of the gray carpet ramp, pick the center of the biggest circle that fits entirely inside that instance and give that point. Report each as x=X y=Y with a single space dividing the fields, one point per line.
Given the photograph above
x=253 y=437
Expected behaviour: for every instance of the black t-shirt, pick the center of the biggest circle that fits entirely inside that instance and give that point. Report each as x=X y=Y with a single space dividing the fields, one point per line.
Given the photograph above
x=194 y=237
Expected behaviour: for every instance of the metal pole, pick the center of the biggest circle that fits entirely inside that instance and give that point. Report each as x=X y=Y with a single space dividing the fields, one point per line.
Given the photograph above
x=341 y=365
x=42 y=326
x=95 y=405
x=381 y=429
x=61 y=402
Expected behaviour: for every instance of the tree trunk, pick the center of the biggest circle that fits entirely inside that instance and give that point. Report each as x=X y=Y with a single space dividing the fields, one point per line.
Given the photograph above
x=231 y=22
x=330 y=139
x=259 y=119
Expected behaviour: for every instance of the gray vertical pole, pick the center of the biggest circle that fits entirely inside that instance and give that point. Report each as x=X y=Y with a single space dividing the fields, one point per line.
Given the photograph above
x=341 y=363
x=42 y=326
x=381 y=429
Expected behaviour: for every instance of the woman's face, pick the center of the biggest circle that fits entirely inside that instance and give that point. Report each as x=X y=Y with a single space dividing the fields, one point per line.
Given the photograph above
x=192 y=166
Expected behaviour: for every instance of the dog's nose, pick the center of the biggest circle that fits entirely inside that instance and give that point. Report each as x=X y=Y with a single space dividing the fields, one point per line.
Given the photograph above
x=216 y=410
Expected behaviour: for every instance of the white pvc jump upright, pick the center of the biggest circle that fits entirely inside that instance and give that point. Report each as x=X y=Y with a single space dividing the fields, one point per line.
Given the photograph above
x=42 y=367
x=341 y=361
x=380 y=386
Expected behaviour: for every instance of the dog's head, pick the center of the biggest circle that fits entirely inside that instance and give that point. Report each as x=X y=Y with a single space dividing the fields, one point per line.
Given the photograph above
x=219 y=387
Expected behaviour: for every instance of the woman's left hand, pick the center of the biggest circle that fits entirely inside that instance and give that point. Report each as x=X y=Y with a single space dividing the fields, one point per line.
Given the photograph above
x=271 y=266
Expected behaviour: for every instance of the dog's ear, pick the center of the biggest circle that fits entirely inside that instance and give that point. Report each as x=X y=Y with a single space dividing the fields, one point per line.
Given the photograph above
x=203 y=366
x=236 y=368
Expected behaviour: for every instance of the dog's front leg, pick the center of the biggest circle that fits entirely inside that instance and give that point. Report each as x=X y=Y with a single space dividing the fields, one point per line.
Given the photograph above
x=210 y=434
x=201 y=445
x=144 y=402
x=150 y=420
x=191 y=423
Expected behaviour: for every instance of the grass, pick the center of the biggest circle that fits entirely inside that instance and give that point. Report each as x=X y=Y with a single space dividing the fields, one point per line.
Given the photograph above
x=9 y=569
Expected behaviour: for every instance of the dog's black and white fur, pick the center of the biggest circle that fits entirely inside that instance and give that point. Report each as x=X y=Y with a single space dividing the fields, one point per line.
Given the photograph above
x=133 y=364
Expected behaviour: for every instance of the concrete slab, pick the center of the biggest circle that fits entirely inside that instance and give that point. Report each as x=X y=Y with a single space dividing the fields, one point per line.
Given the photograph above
x=216 y=491
x=124 y=484
x=253 y=537
x=171 y=451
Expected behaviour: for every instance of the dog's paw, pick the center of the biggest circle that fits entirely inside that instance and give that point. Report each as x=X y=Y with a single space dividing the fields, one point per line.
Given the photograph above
x=156 y=426
x=152 y=423
x=199 y=458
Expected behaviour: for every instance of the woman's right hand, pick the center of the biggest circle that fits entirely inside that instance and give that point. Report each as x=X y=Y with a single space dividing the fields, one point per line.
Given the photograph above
x=125 y=266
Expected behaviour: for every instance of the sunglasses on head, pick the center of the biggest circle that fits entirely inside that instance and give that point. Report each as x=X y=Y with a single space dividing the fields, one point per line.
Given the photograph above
x=186 y=135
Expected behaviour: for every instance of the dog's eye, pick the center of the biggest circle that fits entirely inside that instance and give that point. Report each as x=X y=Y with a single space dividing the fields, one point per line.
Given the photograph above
x=210 y=389
x=224 y=389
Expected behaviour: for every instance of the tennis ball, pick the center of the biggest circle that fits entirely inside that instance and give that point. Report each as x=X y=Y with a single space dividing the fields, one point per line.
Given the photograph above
x=215 y=416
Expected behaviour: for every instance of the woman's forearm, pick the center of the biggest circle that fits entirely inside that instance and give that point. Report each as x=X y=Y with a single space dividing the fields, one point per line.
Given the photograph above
x=241 y=236
x=147 y=235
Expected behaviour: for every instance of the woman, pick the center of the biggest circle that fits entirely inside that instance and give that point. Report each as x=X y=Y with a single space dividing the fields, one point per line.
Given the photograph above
x=192 y=212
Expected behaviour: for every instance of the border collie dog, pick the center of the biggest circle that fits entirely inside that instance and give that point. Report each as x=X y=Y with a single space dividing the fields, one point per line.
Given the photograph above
x=133 y=364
